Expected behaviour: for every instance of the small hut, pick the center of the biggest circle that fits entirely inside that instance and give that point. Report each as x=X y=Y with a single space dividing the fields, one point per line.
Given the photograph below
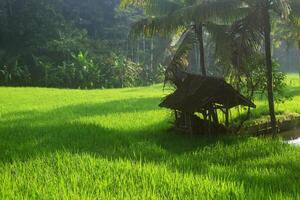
x=203 y=95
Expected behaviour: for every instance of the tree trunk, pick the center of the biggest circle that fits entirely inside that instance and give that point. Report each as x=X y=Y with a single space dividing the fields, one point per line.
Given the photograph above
x=132 y=52
x=152 y=55
x=144 y=50
x=298 y=57
x=138 y=51
x=199 y=32
x=127 y=49
x=10 y=10
x=267 y=35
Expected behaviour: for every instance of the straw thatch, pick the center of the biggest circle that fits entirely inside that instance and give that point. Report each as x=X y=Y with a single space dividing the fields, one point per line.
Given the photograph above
x=197 y=93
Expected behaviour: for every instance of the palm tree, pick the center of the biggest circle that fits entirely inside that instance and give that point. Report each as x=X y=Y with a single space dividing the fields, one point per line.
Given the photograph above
x=167 y=17
x=190 y=17
x=295 y=21
x=254 y=22
x=257 y=22
x=262 y=9
x=256 y=26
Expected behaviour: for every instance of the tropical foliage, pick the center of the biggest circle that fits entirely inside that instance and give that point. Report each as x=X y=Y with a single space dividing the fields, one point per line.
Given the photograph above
x=71 y=44
x=109 y=144
x=239 y=28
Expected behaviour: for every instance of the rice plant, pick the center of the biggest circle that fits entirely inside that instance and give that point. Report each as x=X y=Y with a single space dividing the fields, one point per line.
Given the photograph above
x=117 y=144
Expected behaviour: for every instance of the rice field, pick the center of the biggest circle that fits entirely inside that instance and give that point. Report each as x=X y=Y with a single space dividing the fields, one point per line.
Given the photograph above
x=117 y=144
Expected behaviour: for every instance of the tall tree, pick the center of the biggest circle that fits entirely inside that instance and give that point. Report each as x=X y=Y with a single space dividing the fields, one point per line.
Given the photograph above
x=295 y=22
x=262 y=9
x=257 y=21
x=255 y=17
x=163 y=19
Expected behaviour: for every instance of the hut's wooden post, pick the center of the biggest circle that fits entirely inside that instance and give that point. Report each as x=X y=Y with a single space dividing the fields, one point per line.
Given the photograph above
x=209 y=122
x=185 y=120
x=176 y=119
x=227 y=117
x=190 y=124
x=215 y=116
x=205 y=114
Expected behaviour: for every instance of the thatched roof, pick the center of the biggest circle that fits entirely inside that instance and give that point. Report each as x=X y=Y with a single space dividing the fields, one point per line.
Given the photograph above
x=197 y=93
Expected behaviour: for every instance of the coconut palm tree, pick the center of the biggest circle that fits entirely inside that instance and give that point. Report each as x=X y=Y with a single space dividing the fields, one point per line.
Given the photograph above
x=257 y=24
x=295 y=22
x=168 y=17
x=188 y=17
x=261 y=11
x=295 y=19
x=251 y=27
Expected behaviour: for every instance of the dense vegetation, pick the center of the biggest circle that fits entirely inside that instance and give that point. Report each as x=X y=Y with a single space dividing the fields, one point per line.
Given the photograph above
x=240 y=31
x=117 y=143
x=112 y=144
x=73 y=44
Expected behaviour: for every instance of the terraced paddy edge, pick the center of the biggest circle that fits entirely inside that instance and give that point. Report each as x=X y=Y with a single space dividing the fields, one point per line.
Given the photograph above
x=115 y=144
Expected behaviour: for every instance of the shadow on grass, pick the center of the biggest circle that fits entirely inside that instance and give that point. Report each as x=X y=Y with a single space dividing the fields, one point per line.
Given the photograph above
x=122 y=106
x=28 y=135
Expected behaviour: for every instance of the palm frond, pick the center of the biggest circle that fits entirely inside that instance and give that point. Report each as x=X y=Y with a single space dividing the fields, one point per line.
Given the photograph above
x=222 y=40
x=177 y=61
x=236 y=43
x=156 y=26
x=281 y=7
x=153 y=7
x=295 y=19
x=217 y=11
x=183 y=46
x=247 y=36
x=295 y=8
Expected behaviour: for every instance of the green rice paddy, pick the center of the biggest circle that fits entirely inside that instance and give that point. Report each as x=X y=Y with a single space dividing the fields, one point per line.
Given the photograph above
x=117 y=144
